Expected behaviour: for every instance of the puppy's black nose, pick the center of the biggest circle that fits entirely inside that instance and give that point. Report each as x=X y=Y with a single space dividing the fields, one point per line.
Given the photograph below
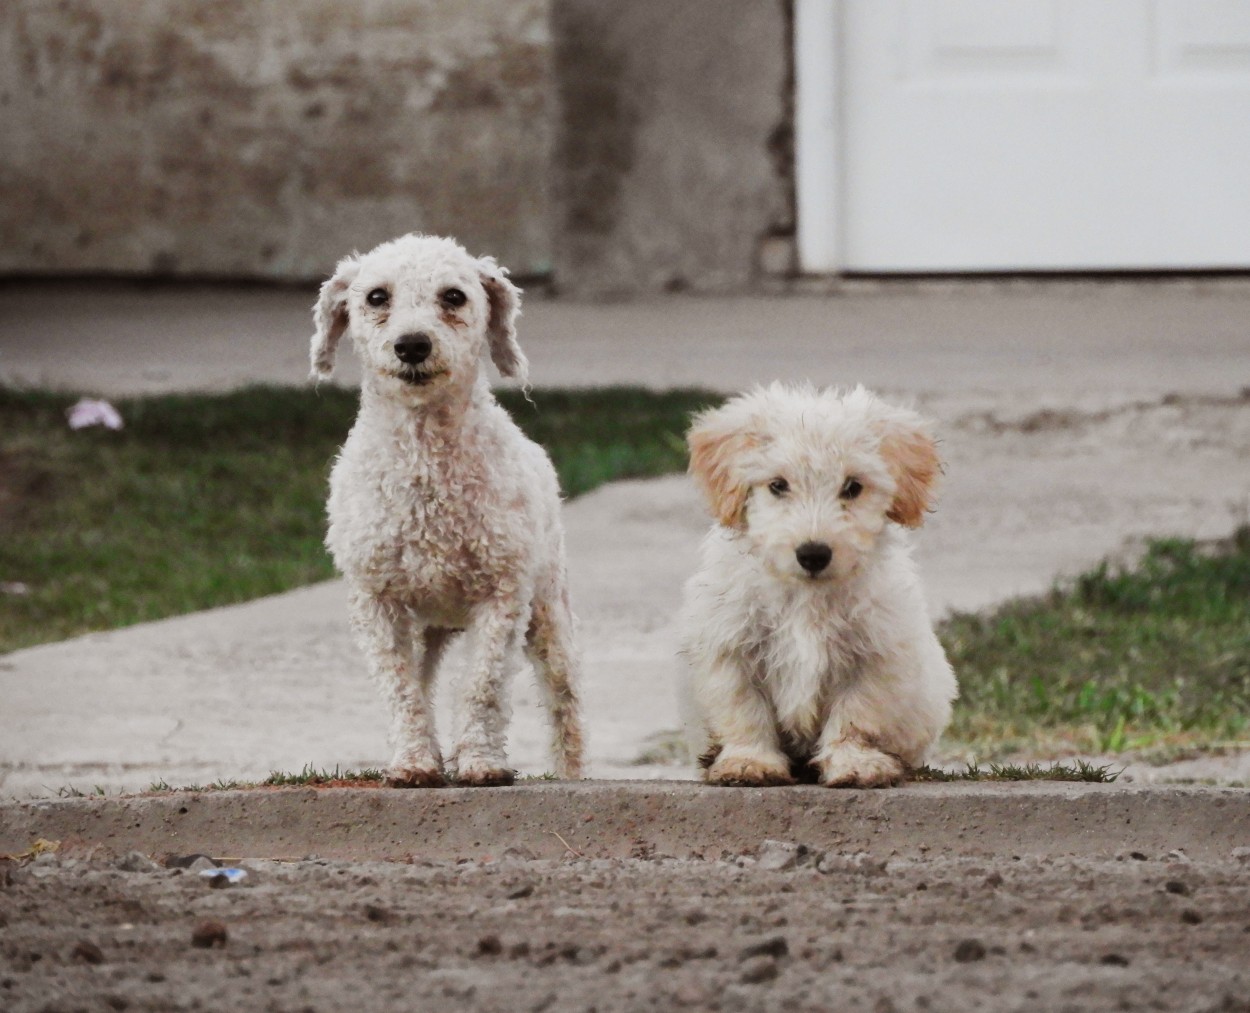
x=413 y=348
x=813 y=556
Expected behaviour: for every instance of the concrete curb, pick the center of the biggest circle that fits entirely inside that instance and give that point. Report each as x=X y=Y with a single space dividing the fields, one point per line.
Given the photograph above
x=624 y=818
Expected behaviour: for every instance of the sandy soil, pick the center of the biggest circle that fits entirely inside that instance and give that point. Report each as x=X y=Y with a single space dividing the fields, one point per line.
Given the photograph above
x=634 y=895
x=727 y=933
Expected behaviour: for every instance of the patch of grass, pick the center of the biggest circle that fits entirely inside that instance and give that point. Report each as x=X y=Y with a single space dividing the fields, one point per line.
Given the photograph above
x=600 y=436
x=1077 y=770
x=1123 y=658
x=207 y=500
x=310 y=775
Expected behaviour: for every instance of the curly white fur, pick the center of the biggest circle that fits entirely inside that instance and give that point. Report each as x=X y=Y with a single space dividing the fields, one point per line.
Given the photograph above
x=444 y=517
x=805 y=627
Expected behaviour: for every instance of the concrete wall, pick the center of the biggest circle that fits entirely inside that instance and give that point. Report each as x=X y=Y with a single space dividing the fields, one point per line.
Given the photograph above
x=673 y=149
x=633 y=146
x=247 y=139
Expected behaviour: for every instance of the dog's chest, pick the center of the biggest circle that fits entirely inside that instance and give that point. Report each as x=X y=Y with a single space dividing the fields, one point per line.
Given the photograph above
x=432 y=531
x=810 y=655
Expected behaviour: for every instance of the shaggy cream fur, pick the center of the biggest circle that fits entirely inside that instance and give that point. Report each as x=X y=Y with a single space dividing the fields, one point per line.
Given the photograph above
x=444 y=517
x=806 y=630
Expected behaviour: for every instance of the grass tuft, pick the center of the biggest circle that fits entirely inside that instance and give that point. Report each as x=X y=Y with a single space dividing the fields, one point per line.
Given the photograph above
x=1076 y=770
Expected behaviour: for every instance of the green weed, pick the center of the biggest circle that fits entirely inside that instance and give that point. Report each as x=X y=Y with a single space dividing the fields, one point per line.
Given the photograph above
x=1122 y=658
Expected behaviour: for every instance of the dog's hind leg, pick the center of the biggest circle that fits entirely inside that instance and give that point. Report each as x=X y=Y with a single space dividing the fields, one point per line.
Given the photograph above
x=403 y=666
x=552 y=648
x=480 y=757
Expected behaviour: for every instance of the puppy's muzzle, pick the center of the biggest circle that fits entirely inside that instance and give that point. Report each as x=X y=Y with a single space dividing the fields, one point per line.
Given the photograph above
x=813 y=556
x=413 y=349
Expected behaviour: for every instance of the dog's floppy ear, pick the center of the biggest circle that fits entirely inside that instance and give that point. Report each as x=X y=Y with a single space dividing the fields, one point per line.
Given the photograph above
x=717 y=438
x=504 y=300
x=910 y=452
x=330 y=317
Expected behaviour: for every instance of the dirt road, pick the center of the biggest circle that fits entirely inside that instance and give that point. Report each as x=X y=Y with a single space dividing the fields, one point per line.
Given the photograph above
x=636 y=896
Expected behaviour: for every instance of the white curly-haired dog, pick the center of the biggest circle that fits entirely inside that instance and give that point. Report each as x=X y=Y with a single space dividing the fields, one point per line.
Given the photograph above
x=811 y=652
x=443 y=516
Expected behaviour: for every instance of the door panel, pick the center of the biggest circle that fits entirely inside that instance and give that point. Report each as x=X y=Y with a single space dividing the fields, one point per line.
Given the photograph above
x=1045 y=134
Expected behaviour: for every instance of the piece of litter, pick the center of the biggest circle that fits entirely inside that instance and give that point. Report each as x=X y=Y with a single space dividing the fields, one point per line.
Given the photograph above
x=228 y=876
x=92 y=412
x=14 y=587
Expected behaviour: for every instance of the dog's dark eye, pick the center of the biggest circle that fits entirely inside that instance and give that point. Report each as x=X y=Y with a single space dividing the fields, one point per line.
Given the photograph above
x=851 y=488
x=454 y=297
x=378 y=297
x=779 y=487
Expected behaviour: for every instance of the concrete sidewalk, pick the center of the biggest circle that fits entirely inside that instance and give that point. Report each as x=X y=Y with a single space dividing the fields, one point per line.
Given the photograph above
x=1076 y=418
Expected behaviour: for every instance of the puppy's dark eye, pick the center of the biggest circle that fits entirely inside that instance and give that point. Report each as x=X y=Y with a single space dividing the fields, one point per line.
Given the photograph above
x=454 y=297
x=851 y=488
x=378 y=297
x=779 y=487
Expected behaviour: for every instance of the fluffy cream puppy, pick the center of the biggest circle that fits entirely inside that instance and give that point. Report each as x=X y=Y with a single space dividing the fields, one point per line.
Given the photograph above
x=810 y=646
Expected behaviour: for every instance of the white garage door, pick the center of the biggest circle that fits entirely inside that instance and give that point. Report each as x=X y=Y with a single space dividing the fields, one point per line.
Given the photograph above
x=991 y=135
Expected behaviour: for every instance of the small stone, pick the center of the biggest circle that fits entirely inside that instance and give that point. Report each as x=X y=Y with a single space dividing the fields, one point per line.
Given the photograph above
x=522 y=891
x=969 y=950
x=208 y=934
x=489 y=946
x=1114 y=960
x=777 y=856
x=379 y=914
x=1191 y=917
x=137 y=861
x=775 y=947
x=187 y=861
x=1177 y=886
x=759 y=969
x=1138 y=856
x=1177 y=855
x=519 y=950
x=88 y=952
x=202 y=863
x=994 y=880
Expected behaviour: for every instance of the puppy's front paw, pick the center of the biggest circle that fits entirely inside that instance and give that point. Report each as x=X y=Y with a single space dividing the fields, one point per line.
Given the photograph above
x=749 y=769
x=853 y=765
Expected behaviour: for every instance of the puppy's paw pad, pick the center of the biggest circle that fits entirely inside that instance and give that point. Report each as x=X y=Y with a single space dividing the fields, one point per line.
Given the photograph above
x=749 y=771
x=415 y=777
x=860 y=767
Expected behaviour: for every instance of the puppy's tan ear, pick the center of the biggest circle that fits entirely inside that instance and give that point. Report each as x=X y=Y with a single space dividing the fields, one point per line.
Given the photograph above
x=717 y=439
x=910 y=452
x=504 y=299
x=330 y=317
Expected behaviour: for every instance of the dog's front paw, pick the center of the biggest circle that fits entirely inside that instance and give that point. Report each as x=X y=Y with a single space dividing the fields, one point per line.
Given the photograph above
x=415 y=777
x=483 y=772
x=415 y=766
x=853 y=765
x=749 y=769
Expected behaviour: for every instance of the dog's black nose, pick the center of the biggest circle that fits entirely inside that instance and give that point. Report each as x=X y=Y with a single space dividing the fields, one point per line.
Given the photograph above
x=413 y=348
x=813 y=556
